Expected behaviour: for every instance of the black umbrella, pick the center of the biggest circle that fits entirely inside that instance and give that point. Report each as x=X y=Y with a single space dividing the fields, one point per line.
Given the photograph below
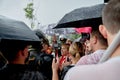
x=82 y=17
x=105 y=1
x=41 y=35
x=15 y=30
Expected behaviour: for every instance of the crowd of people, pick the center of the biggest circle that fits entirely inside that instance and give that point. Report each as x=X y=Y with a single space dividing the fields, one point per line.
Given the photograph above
x=69 y=60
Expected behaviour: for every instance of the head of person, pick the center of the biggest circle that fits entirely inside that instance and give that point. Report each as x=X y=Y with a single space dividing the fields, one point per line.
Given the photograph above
x=45 y=45
x=76 y=51
x=97 y=41
x=111 y=20
x=65 y=49
x=88 y=49
x=15 y=51
x=46 y=48
x=62 y=39
x=69 y=41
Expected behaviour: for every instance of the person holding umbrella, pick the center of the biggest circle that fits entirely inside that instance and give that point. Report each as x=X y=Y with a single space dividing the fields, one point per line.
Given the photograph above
x=16 y=37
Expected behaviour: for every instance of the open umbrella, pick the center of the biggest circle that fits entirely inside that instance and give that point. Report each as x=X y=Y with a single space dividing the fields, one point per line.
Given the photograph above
x=84 y=30
x=41 y=35
x=15 y=30
x=82 y=17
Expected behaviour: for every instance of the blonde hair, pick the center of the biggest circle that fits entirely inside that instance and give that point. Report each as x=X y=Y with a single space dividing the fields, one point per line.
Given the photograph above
x=76 y=49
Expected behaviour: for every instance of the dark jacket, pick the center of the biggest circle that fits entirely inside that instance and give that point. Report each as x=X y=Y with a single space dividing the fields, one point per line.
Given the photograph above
x=43 y=63
x=20 y=72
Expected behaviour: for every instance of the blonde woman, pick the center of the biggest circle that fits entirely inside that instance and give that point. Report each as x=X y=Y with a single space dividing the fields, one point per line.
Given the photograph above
x=76 y=51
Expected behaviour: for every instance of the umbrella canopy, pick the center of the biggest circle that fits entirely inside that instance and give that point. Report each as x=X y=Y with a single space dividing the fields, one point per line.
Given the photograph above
x=15 y=30
x=41 y=35
x=84 y=30
x=81 y=17
x=58 y=31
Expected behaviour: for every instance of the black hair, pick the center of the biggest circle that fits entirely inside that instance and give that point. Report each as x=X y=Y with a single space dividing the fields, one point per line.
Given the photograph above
x=85 y=36
x=10 y=48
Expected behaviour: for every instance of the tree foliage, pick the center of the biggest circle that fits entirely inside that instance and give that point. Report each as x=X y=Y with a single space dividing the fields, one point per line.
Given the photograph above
x=29 y=11
x=74 y=36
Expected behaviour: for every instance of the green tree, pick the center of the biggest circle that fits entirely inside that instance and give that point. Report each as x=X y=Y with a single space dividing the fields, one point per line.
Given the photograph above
x=29 y=13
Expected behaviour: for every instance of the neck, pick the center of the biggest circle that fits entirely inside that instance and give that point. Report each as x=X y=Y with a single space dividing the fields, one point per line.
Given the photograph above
x=100 y=47
x=74 y=61
x=17 y=61
x=116 y=53
x=110 y=39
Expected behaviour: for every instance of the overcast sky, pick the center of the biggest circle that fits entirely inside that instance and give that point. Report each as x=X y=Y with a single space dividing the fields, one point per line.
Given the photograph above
x=47 y=11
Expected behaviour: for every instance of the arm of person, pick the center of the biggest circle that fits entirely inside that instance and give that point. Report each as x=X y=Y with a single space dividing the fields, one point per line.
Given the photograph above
x=55 y=68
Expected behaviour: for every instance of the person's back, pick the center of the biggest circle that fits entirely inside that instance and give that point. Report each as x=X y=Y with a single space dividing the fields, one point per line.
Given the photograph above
x=45 y=65
x=19 y=72
x=105 y=71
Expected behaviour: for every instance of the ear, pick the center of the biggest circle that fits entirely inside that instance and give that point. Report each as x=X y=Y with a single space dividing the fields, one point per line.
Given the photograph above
x=103 y=31
x=94 y=39
x=25 y=52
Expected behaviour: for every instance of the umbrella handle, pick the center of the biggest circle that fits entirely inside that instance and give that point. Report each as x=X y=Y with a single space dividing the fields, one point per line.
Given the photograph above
x=115 y=43
x=3 y=60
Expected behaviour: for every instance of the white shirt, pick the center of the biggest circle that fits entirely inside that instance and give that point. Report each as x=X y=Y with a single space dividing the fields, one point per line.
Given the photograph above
x=109 y=70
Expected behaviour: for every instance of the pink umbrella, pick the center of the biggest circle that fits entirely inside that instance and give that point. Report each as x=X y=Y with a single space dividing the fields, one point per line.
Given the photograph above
x=83 y=30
